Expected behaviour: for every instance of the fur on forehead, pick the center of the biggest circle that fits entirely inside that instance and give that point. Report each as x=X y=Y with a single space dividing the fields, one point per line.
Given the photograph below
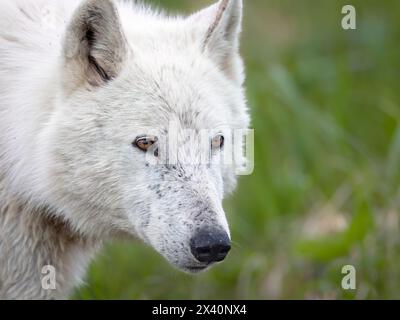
x=178 y=85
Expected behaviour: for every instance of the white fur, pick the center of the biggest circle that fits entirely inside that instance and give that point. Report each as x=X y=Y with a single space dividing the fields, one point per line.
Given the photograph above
x=69 y=175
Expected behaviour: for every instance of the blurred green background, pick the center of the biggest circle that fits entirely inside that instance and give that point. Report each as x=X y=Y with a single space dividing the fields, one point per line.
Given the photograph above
x=325 y=191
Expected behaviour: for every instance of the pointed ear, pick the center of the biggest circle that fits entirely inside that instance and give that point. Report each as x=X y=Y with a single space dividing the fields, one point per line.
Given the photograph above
x=218 y=28
x=94 y=47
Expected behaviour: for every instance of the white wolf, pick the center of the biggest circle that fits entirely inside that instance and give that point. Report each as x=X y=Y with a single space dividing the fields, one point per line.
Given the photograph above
x=86 y=88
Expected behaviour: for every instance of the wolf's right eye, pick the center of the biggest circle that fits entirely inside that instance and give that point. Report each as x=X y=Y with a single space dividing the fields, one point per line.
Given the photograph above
x=144 y=143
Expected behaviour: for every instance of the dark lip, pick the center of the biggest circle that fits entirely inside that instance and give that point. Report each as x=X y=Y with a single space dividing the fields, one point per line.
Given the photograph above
x=196 y=268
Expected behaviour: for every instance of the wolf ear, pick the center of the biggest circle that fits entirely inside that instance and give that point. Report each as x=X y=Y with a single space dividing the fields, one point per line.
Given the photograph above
x=94 y=46
x=218 y=28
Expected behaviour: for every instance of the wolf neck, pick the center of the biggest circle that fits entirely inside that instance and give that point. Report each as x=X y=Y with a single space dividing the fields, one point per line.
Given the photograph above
x=31 y=239
x=24 y=120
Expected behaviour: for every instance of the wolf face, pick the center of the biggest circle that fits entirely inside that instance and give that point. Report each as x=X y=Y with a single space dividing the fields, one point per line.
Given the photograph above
x=141 y=97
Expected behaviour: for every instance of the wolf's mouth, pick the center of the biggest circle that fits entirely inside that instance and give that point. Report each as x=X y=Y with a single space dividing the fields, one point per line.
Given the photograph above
x=195 y=268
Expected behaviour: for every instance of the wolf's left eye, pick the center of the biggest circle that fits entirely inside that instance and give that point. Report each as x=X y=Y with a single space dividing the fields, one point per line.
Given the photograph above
x=217 y=142
x=144 y=143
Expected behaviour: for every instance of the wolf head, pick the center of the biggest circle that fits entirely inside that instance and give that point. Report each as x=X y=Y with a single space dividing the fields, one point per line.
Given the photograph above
x=142 y=96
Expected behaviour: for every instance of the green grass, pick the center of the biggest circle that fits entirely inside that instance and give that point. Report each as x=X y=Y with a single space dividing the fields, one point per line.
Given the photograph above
x=325 y=191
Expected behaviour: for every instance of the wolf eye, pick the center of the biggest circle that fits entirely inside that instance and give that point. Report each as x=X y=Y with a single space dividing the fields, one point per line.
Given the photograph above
x=146 y=142
x=217 y=142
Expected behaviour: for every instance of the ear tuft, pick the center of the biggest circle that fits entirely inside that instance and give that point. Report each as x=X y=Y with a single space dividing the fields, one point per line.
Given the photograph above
x=218 y=27
x=227 y=17
x=95 y=47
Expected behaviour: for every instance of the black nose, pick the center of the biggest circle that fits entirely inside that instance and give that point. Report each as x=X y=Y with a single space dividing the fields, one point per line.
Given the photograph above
x=210 y=245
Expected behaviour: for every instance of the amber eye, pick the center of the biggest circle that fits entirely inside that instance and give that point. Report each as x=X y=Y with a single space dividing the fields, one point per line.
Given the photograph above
x=217 y=142
x=145 y=142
